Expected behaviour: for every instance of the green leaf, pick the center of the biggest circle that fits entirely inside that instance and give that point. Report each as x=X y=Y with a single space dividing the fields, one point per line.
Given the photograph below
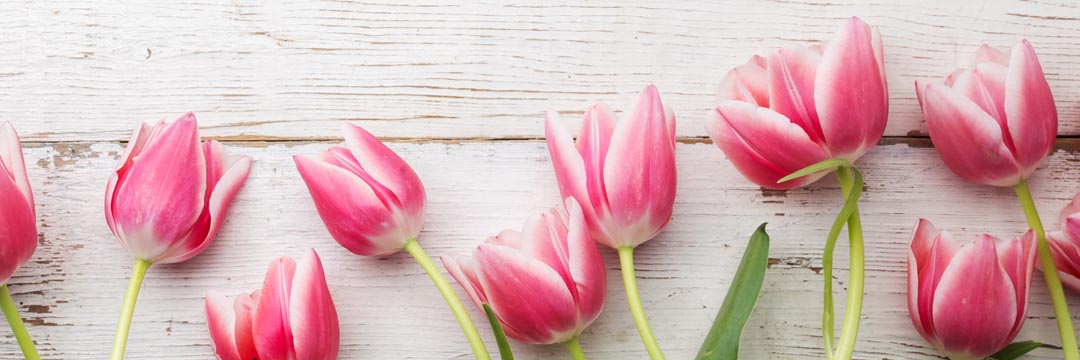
x=723 y=339
x=818 y=167
x=500 y=337
x=1016 y=350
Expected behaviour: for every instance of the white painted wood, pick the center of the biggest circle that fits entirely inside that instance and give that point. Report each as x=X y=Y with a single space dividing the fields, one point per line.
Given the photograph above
x=70 y=291
x=254 y=70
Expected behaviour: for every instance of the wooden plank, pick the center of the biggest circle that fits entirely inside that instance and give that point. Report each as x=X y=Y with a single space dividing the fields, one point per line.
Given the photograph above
x=70 y=291
x=420 y=68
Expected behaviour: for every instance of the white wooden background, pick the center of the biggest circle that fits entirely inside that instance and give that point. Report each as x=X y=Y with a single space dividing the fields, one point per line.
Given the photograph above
x=459 y=90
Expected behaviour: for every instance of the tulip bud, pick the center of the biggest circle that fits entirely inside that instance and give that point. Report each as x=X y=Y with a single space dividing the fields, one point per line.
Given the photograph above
x=18 y=225
x=799 y=106
x=370 y=200
x=169 y=194
x=623 y=173
x=968 y=301
x=994 y=123
x=291 y=317
x=545 y=284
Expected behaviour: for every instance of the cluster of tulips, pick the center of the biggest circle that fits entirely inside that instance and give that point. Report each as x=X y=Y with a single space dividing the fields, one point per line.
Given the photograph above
x=784 y=120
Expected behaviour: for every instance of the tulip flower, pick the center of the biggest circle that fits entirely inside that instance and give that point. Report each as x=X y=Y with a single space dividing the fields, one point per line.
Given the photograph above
x=623 y=174
x=1065 y=245
x=372 y=203
x=545 y=284
x=18 y=228
x=291 y=317
x=167 y=199
x=968 y=301
x=994 y=124
x=786 y=118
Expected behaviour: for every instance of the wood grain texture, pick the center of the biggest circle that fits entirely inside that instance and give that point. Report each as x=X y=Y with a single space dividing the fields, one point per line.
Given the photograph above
x=70 y=291
x=254 y=70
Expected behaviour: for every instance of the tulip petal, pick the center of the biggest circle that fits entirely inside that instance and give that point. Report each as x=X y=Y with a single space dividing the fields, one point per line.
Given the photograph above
x=349 y=208
x=1029 y=106
x=312 y=315
x=986 y=87
x=1017 y=256
x=967 y=138
x=11 y=161
x=593 y=143
x=928 y=257
x=571 y=174
x=273 y=334
x=640 y=171
x=527 y=295
x=221 y=318
x=1072 y=208
x=134 y=147
x=544 y=240
x=585 y=265
x=791 y=88
x=389 y=170
x=852 y=101
x=1066 y=255
x=975 y=304
x=463 y=269
x=747 y=82
x=764 y=145
x=18 y=225
x=990 y=54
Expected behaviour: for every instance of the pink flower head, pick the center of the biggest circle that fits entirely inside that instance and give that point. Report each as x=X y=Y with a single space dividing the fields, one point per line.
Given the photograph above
x=802 y=105
x=994 y=123
x=370 y=200
x=169 y=194
x=622 y=173
x=18 y=224
x=1065 y=245
x=546 y=284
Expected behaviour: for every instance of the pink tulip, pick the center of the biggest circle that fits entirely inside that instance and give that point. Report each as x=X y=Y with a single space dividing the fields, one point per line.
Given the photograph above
x=18 y=224
x=799 y=106
x=968 y=301
x=169 y=194
x=370 y=200
x=995 y=123
x=1065 y=245
x=546 y=284
x=291 y=317
x=623 y=173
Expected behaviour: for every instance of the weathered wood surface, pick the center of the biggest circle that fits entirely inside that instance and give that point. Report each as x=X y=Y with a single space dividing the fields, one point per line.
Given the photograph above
x=423 y=68
x=70 y=292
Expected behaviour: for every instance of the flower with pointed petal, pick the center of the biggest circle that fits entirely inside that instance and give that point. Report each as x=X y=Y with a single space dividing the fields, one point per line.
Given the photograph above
x=18 y=224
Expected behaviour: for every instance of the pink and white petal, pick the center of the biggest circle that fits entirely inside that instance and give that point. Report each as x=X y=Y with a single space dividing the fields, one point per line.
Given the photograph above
x=986 y=88
x=639 y=173
x=571 y=174
x=273 y=334
x=990 y=54
x=507 y=237
x=244 y=306
x=975 y=304
x=593 y=143
x=852 y=102
x=389 y=170
x=586 y=266
x=18 y=226
x=1072 y=208
x=349 y=208
x=791 y=88
x=463 y=269
x=11 y=158
x=1030 y=108
x=1066 y=254
x=527 y=295
x=134 y=147
x=312 y=315
x=1017 y=256
x=879 y=53
x=221 y=320
x=544 y=239
x=162 y=195
x=748 y=82
x=968 y=140
x=929 y=256
x=763 y=145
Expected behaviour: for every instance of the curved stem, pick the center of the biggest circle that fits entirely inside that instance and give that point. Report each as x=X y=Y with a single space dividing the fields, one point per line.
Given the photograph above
x=17 y=326
x=128 y=309
x=856 y=275
x=626 y=261
x=574 y=347
x=1053 y=281
x=477 y=344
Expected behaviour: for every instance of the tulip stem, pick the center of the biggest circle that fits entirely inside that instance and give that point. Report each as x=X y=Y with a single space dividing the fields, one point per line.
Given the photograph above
x=574 y=347
x=626 y=261
x=128 y=309
x=477 y=343
x=17 y=326
x=1053 y=281
x=856 y=275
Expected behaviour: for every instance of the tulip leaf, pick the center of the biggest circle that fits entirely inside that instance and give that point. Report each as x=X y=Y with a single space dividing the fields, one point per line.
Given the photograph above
x=823 y=165
x=723 y=339
x=500 y=337
x=1016 y=350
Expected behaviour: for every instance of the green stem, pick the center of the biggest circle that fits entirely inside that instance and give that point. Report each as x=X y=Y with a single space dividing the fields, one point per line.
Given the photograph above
x=17 y=326
x=574 y=347
x=477 y=344
x=1053 y=281
x=853 y=308
x=128 y=309
x=626 y=260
